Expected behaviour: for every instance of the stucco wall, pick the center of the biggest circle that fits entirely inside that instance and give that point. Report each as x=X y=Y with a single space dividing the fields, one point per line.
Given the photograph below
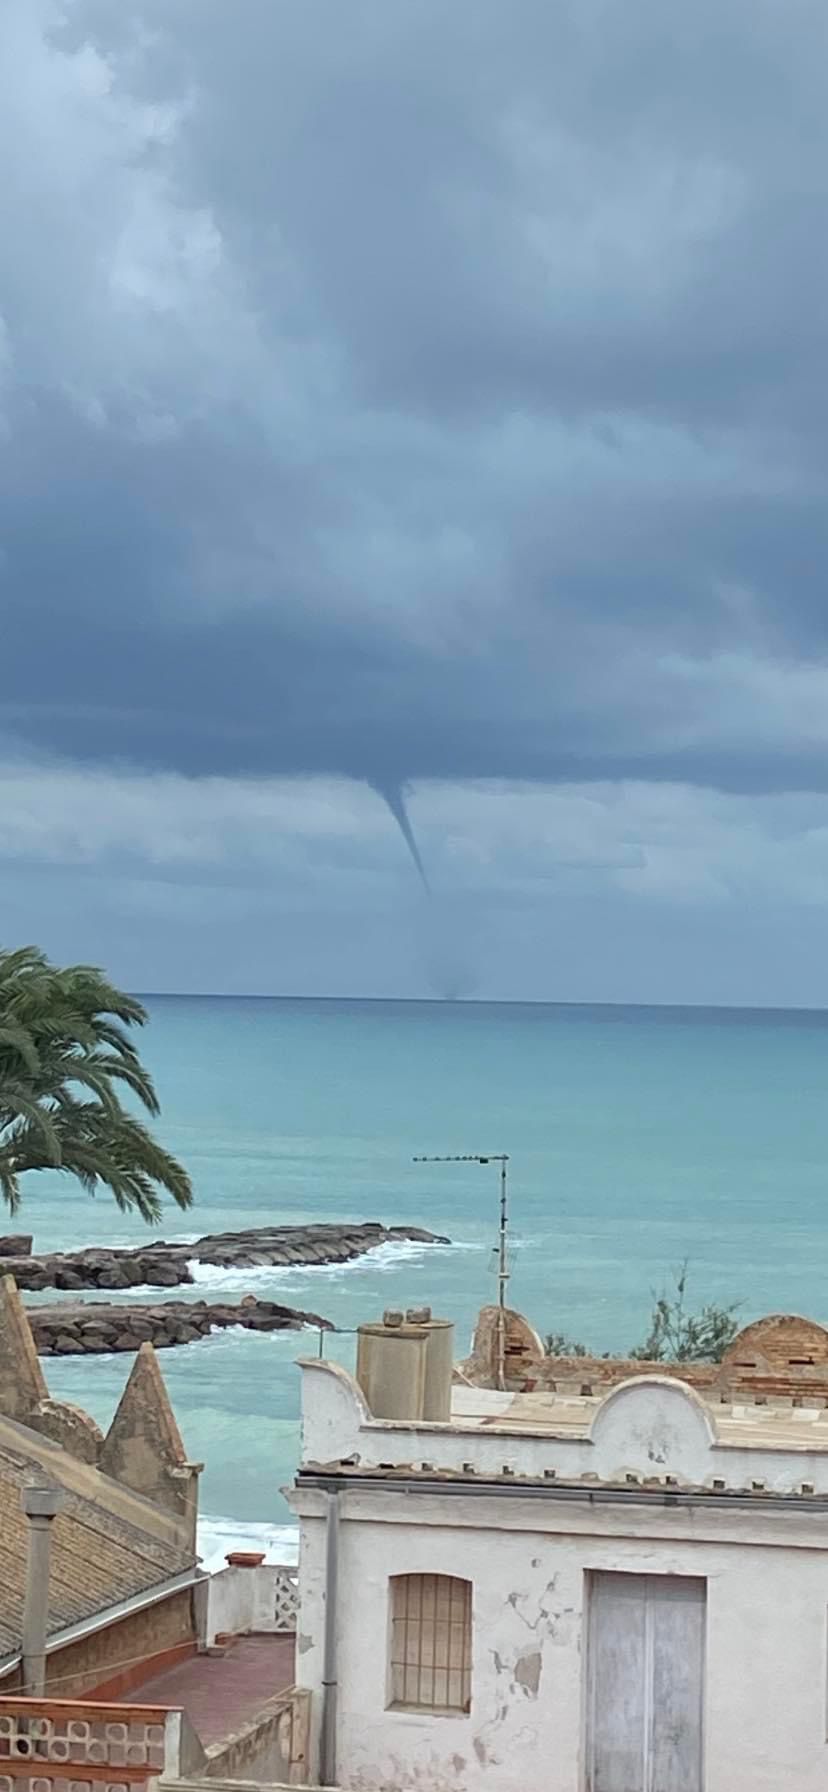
x=650 y=1426
x=271 y=1749
x=767 y=1580
x=238 y=1600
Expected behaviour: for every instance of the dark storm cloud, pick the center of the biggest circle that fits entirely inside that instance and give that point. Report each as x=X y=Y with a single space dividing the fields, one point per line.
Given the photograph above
x=415 y=391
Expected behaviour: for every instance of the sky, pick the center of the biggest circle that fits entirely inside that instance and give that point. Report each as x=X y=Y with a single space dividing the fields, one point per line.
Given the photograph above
x=413 y=430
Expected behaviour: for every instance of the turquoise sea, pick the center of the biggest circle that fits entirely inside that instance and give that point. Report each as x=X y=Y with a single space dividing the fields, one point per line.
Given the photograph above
x=637 y=1138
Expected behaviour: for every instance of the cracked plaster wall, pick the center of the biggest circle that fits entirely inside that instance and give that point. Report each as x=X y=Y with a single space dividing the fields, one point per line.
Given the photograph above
x=767 y=1604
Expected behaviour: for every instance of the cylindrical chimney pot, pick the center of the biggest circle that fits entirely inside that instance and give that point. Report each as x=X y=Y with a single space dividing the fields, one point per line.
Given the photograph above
x=391 y=1367
x=439 y=1363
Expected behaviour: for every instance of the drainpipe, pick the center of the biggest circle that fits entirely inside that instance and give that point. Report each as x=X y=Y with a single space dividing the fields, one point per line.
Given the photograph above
x=40 y=1505
x=327 y=1744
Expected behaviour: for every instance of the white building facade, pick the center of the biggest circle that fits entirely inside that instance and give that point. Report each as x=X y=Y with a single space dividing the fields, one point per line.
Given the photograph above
x=626 y=1593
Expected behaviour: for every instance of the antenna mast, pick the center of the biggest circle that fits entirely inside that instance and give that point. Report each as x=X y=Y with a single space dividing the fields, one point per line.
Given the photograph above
x=501 y=1158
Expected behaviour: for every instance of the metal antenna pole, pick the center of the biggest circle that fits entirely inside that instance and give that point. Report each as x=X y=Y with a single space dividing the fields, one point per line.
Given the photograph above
x=503 y=1260
x=501 y=1158
x=502 y=1278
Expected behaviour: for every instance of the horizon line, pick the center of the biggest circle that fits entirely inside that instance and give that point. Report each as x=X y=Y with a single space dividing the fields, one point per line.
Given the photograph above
x=207 y=995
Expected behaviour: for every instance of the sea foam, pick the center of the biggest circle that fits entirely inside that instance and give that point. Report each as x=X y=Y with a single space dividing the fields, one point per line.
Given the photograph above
x=383 y=1258
x=218 y=1537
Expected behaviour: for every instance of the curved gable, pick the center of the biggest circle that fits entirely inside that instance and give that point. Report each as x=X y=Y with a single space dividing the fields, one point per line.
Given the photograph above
x=653 y=1426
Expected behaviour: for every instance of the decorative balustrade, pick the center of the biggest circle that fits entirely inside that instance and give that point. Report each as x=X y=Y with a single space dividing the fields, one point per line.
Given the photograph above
x=57 y=1745
x=286 y=1597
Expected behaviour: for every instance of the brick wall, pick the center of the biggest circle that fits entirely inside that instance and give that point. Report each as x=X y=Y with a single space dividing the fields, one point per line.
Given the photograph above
x=97 y=1659
x=123 y=1651
x=781 y=1357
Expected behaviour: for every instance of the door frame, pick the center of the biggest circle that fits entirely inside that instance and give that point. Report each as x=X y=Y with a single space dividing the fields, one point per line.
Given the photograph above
x=589 y=1576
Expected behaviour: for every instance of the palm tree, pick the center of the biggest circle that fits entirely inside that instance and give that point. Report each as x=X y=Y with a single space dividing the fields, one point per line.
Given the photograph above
x=64 y=1055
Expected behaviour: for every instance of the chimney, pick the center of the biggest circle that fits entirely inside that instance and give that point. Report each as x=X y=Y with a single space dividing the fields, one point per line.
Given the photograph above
x=40 y=1505
x=391 y=1367
x=439 y=1365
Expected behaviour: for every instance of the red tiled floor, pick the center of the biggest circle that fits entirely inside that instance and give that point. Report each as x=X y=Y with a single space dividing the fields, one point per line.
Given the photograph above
x=220 y=1693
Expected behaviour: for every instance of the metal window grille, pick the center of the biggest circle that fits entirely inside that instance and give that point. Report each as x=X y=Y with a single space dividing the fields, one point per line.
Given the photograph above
x=431 y=1643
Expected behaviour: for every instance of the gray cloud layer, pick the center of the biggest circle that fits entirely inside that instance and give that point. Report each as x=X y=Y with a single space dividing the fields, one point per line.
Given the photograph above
x=416 y=392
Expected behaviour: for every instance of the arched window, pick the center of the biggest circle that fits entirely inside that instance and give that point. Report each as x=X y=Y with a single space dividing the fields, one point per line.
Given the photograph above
x=431 y=1642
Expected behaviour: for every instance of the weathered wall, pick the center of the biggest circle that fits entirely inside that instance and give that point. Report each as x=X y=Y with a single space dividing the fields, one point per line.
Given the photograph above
x=645 y=1429
x=143 y=1448
x=780 y=1356
x=76 y=1743
x=146 y=1633
x=22 y=1382
x=96 y=1660
x=767 y=1576
x=240 y=1600
x=272 y=1749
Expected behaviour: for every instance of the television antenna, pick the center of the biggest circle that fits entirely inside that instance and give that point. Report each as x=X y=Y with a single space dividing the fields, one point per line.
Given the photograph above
x=501 y=1158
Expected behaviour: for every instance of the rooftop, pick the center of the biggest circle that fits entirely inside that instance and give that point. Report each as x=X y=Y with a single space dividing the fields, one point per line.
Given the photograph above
x=754 y=1424
x=108 y=1544
x=221 y=1693
x=746 y=1425
x=126 y=1525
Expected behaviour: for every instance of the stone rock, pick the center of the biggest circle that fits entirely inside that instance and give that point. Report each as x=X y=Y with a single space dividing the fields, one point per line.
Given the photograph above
x=95 y=1327
x=68 y=1278
x=168 y=1265
x=16 y=1244
x=164 y=1275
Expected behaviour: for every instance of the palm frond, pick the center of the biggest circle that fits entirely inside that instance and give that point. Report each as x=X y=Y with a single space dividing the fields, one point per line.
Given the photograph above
x=133 y=1074
x=18 y=1041
x=65 y=1057
x=27 y=1117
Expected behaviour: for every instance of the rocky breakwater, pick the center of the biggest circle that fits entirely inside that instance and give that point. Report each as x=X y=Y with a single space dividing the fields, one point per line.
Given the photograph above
x=163 y=1265
x=93 y=1328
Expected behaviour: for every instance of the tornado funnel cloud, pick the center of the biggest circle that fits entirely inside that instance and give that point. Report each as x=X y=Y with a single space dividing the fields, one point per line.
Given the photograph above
x=393 y=795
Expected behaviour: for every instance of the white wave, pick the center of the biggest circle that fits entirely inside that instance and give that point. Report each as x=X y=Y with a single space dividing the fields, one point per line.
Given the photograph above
x=217 y=1537
x=382 y=1258
x=123 y=1244
x=220 y=1336
x=150 y=1293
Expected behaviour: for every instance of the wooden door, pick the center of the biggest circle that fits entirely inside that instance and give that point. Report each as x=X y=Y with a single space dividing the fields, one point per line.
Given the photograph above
x=645 y=1683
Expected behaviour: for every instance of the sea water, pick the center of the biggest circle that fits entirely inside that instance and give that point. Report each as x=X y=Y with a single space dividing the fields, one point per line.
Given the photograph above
x=637 y=1138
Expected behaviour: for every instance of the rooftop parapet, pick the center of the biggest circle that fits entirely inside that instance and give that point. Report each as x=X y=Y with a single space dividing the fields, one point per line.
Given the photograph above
x=693 y=1426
